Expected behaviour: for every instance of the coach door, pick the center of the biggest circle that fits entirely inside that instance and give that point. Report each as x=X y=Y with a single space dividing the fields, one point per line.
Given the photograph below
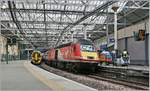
x=56 y=54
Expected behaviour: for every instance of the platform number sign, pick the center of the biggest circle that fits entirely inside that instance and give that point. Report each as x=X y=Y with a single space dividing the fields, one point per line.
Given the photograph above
x=111 y=40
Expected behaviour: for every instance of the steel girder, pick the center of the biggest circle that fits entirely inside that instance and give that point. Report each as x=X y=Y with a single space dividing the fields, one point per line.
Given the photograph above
x=104 y=6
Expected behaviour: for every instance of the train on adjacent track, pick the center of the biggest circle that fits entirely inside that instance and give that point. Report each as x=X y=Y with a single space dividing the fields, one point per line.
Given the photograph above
x=74 y=56
x=105 y=57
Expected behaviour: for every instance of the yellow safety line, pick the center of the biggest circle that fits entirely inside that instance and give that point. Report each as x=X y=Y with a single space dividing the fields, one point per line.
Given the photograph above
x=50 y=83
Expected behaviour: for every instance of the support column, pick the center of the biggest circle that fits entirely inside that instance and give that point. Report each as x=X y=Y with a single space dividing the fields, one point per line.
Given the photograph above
x=107 y=34
x=1 y=43
x=149 y=41
x=72 y=35
x=146 y=49
x=85 y=34
x=1 y=47
x=107 y=31
x=115 y=8
x=28 y=56
x=115 y=31
x=6 y=53
x=126 y=43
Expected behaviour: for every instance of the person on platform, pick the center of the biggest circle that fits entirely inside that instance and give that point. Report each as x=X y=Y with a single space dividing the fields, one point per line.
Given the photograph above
x=125 y=57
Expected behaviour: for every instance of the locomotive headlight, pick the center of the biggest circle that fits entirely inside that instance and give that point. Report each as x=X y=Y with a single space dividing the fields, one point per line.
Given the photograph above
x=36 y=57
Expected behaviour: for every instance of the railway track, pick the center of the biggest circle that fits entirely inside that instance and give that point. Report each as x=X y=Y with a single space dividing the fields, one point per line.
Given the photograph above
x=115 y=78
x=130 y=78
x=136 y=85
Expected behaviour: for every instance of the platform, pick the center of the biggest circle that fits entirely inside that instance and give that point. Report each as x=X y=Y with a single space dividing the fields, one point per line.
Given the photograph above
x=130 y=67
x=22 y=75
x=130 y=70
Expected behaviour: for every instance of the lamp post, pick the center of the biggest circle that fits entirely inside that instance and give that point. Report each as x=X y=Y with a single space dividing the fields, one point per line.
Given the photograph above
x=1 y=45
x=115 y=8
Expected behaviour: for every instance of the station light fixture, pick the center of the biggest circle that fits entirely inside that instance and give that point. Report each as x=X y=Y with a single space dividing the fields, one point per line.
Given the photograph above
x=115 y=8
x=104 y=27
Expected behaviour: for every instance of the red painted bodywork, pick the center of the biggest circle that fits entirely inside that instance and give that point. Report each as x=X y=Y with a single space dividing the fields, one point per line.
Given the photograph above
x=77 y=51
x=106 y=60
x=51 y=54
x=69 y=53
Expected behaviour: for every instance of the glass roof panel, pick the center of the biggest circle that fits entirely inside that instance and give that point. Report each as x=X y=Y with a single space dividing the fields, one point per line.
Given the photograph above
x=59 y=14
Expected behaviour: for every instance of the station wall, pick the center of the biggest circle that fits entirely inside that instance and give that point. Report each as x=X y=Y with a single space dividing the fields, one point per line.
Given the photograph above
x=121 y=44
x=128 y=31
x=138 y=50
x=2 y=45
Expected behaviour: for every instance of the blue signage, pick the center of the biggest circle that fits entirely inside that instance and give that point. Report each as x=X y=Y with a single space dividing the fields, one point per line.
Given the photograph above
x=111 y=40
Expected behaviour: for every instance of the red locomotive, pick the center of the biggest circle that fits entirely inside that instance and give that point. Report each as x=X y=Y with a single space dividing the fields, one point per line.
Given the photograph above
x=80 y=54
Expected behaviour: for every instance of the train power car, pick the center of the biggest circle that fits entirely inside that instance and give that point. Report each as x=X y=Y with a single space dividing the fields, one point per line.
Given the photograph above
x=36 y=57
x=80 y=54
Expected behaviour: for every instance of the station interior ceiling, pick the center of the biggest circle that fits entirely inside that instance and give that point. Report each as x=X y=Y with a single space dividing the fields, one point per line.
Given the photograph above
x=49 y=23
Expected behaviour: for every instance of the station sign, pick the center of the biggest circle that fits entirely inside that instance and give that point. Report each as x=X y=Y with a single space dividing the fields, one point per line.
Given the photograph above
x=111 y=40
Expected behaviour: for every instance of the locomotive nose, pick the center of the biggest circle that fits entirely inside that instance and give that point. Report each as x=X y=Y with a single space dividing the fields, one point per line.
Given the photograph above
x=36 y=57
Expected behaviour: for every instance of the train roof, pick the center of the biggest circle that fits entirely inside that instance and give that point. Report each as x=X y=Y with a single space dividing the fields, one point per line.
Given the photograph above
x=63 y=45
x=81 y=41
x=85 y=41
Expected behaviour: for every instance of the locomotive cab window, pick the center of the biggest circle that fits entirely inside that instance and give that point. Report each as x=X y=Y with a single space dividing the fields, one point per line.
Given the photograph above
x=86 y=45
x=88 y=48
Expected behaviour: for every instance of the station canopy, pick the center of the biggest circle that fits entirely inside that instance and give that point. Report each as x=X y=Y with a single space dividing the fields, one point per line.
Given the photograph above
x=49 y=23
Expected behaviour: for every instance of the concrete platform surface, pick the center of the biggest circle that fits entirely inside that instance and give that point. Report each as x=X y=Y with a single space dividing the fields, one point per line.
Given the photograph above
x=132 y=67
x=22 y=75
x=14 y=76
